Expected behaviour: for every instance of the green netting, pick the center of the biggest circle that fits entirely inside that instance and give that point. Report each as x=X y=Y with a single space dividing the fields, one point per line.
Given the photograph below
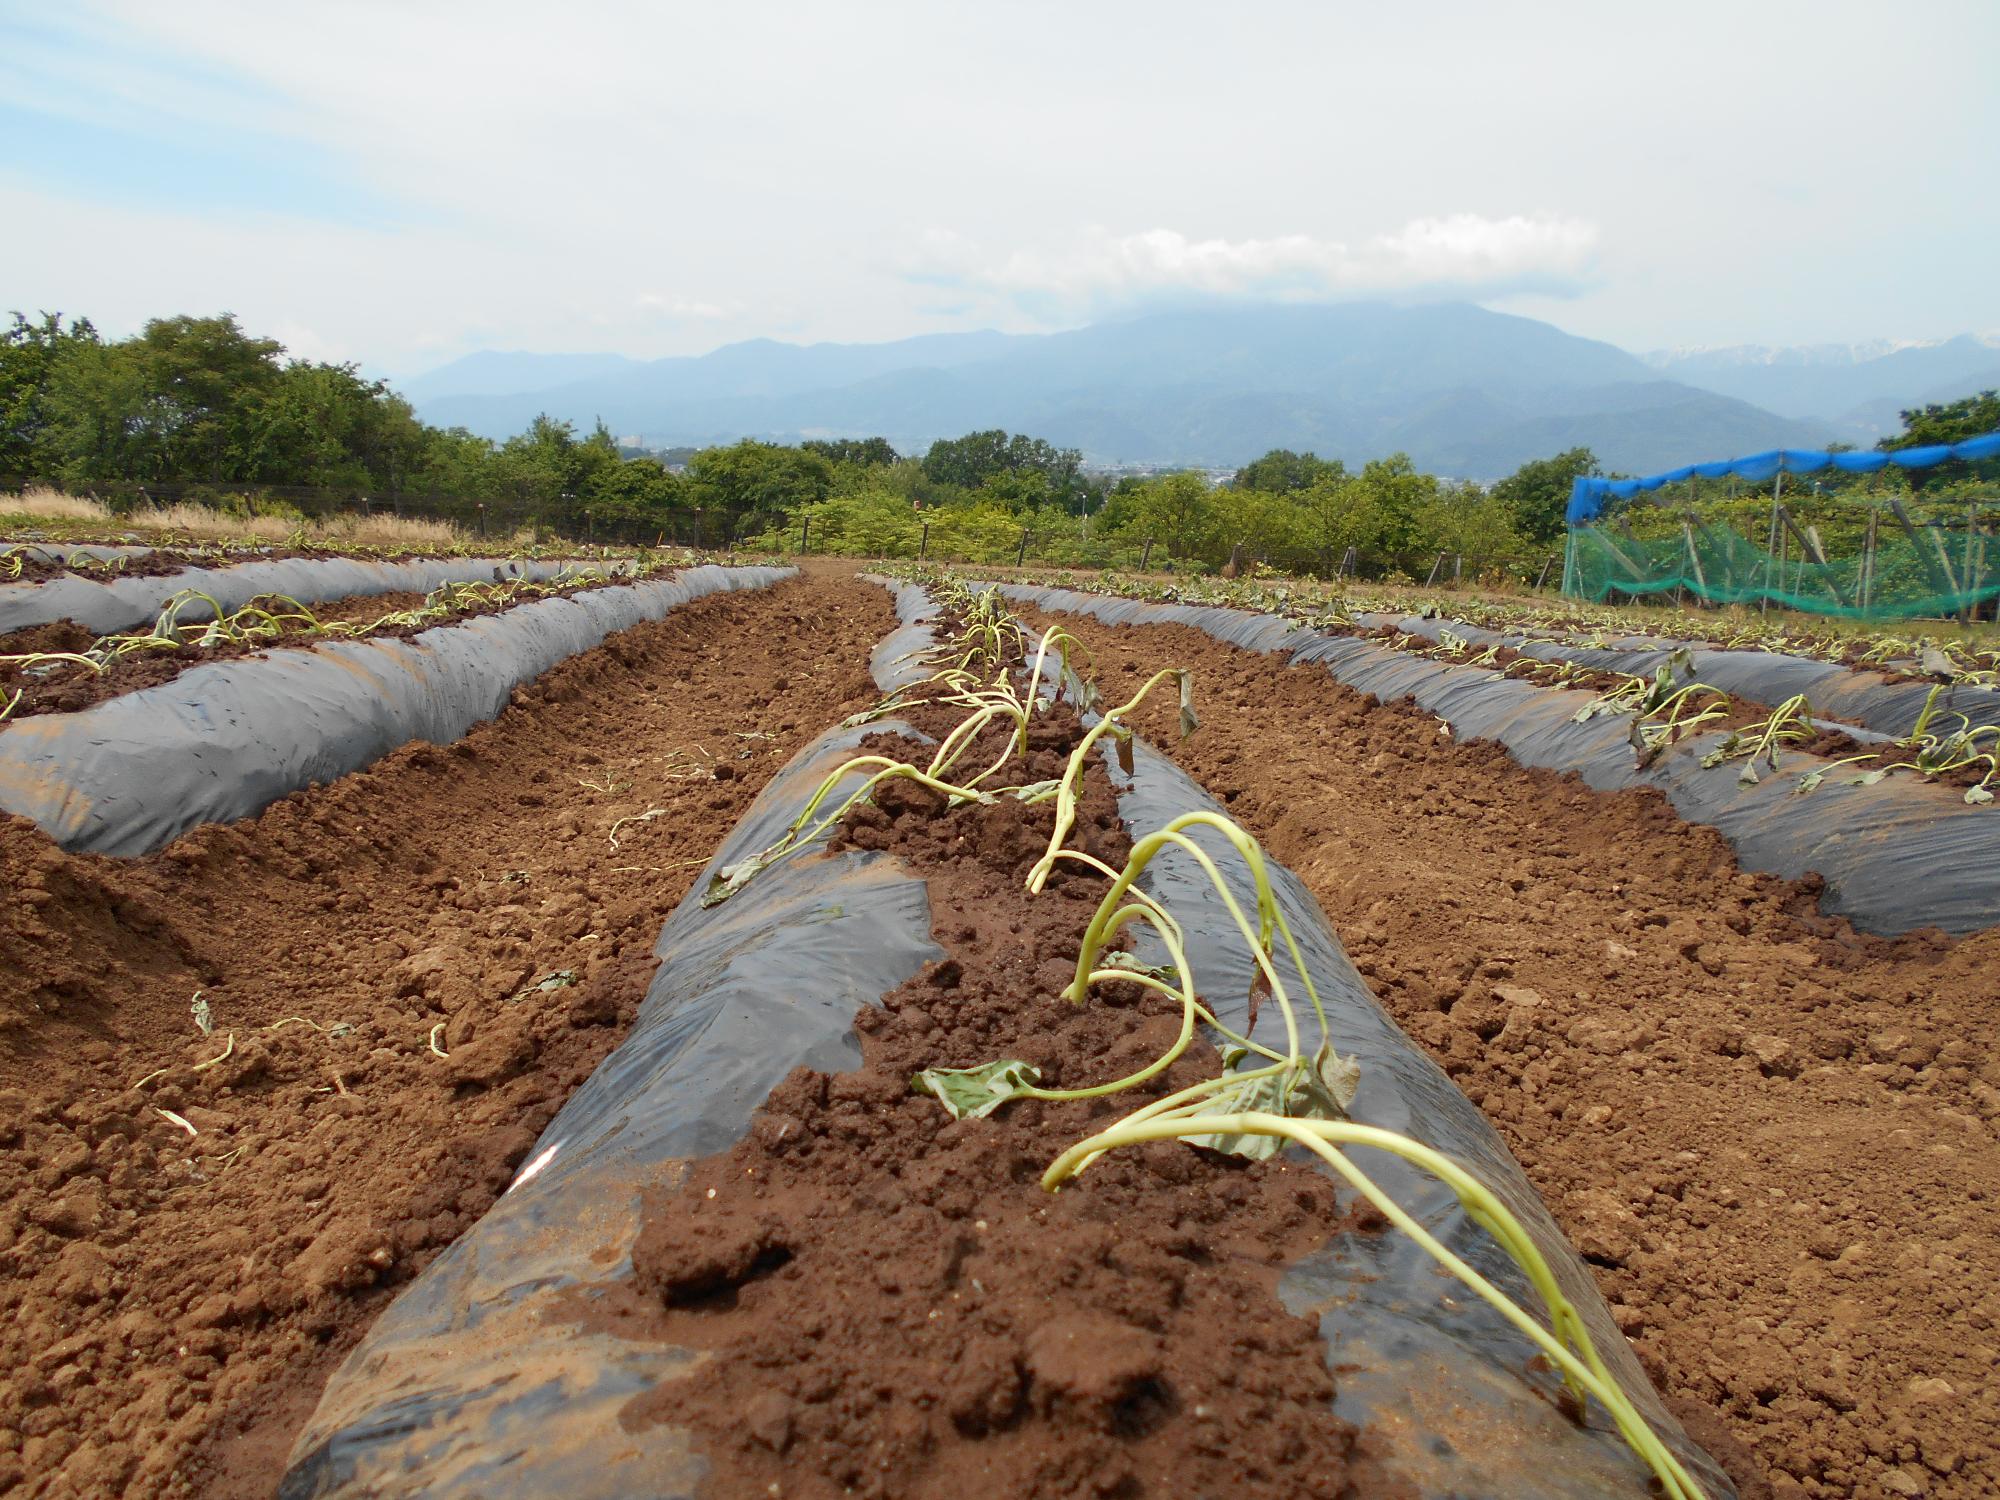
x=1928 y=570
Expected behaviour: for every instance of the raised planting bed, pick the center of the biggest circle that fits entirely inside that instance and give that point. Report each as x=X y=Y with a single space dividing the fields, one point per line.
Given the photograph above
x=786 y=1238
x=225 y=739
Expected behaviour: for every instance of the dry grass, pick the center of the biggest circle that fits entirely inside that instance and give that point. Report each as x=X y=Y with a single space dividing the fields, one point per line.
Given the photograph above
x=204 y=524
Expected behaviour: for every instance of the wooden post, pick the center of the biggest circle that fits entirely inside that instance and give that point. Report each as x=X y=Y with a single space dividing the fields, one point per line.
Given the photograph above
x=1810 y=551
x=1349 y=563
x=805 y=532
x=1965 y=567
x=1434 y=570
x=1694 y=557
x=1543 y=577
x=1868 y=557
x=482 y=519
x=587 y=536
x=1021 y=556
x=924 y=544
x=1457 y=569
x=1939 y=569
x=1146 y=557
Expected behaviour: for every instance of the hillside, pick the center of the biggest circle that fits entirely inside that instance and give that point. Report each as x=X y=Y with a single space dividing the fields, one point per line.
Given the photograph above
x=1463 y=390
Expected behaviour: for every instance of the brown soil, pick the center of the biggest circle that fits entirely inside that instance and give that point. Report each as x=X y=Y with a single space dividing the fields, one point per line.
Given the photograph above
x=174 y=1301
x=70 y=688
x=896 y=1307
x=1777 y=1140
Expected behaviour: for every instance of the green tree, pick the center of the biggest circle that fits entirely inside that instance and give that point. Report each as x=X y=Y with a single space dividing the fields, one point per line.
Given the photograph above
x=30 y=353
x=1284 y=472
x=969 y=462
x=753 y=485
x=1336 y=513
x=1949 y=422
x=1537 y=493
x=1179 y=510
x=870 y=453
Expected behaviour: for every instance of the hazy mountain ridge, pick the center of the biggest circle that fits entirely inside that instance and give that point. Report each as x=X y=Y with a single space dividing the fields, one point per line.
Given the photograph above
x=1462 y=389
x=1856 y=388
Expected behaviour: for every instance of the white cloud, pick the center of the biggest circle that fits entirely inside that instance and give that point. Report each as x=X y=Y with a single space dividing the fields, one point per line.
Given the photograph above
x=1466 y=254
x=685 y=307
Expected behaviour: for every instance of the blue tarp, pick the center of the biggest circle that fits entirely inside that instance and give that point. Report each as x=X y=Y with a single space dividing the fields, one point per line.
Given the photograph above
x=1587 y=496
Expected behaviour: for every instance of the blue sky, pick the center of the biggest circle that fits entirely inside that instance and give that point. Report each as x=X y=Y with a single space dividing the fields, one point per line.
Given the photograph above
x=399 y=183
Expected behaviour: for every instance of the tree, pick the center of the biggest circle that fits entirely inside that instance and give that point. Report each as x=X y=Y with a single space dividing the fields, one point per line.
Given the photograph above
x=29 y=355
x=970 y=461
x=1336 y=513
x=870 y=453
x=754 y=485
x=1179 y=510
x=1949 y=422
x=1537 y=494
x=1284 y=472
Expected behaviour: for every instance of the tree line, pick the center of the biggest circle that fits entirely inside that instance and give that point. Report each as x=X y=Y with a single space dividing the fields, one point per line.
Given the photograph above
x=196 y=402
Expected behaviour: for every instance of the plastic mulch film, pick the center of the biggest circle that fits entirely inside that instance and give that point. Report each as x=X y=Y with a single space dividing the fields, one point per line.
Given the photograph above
x=477 y=1380
x=485 y=1378
x=226 y=739
x=1879 y=848
x=1453 y=1391
x=115 y=604
x=1885 y=706
x=894 y=662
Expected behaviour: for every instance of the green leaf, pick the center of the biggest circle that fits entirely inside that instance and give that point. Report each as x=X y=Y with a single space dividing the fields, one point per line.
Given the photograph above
x=730 y=879
x=1118 y=958
x=1810 y=781
x=973 y=1093
x=1036 y=791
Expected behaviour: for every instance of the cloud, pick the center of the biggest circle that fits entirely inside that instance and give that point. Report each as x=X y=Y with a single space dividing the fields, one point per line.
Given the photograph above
x=685 y=307
x=1462 y=254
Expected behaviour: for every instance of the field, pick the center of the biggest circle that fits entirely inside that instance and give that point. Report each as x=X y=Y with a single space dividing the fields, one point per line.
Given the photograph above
x=1702 y=939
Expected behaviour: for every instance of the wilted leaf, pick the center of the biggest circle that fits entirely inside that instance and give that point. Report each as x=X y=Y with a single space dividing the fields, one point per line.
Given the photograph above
x=204 y=1020
x=1332 y=1085
x=1978 y=796
x=1810 y=781
x=1748 y=775
x=973 y=1093
x=730 y=879
x=1118 y=958
x=1936 y=663
x=1189 y=723
x=1035 y=791
x=1123 y=740
x=1259 y=988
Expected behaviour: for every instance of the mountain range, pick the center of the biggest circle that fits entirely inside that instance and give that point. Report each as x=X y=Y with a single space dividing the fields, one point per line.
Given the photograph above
x=1463 y=390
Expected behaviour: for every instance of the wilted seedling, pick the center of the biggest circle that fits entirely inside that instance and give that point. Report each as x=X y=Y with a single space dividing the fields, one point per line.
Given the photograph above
x=1790 y=723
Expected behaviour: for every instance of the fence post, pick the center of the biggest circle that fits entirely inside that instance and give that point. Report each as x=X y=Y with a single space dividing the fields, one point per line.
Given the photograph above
x=482 y=520
x=1457 y=568
x=1021 y=556
x=924 y=542
x=1543 y=577
x=1146 y=557
x=1431 y=578
x=587 y=534
x=805 y=533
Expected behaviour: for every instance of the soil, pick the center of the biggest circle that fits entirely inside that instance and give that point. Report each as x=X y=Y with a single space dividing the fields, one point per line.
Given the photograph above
x=175 y=1295
x=70 y=688
x=894 y=1304
x=1777 y=1140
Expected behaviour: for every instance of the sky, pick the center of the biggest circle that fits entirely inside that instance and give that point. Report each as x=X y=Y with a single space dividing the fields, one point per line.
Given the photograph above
x=401 y=183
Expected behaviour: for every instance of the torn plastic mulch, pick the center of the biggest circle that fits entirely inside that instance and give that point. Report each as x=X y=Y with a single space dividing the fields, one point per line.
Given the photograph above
x=487 y=1378
x=112 y=604
x=1880 y=849
x=226 y=739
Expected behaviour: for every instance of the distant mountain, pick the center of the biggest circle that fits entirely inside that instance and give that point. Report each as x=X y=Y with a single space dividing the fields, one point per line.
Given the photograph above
x=1463 y=390
x=1856 y=387
x=492 y=372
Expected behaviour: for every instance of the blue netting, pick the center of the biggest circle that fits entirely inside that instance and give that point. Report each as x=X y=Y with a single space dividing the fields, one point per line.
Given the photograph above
x=1587 y=495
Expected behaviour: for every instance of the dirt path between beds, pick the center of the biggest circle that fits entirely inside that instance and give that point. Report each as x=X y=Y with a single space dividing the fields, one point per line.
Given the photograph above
x=1778 y=1141
x=406 y=973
